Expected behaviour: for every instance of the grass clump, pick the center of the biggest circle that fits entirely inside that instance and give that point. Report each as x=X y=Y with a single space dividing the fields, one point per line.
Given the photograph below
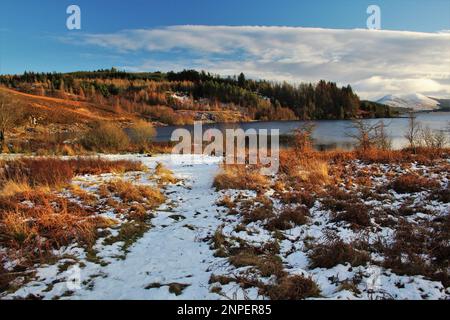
x=410 y=183
x=293 y=288
x=129 y=233
x=130 y=193
x=141 y=134
x=289 y=218
x=164 y=175
x=334 y=251
x=51 y=222
x=105 y=137
x=240 y=177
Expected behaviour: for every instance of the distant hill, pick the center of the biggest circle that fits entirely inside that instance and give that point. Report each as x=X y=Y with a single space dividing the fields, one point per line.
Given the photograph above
x=444 y=104
x=414 y=101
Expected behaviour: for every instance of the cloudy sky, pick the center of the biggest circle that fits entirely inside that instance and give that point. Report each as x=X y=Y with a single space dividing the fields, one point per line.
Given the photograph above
x=322 y=41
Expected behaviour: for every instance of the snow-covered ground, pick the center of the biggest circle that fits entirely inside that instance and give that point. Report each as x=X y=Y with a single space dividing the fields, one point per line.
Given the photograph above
x=174 y=259
x=173 y=251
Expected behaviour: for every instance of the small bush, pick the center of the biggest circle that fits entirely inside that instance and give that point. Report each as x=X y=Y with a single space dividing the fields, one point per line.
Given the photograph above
x=289 y=218
x=409 y=183
x=257 y=209
x=164 y=175
x=141 y=134
x=129 y=193
x=293 y=288
x=240 y=177
x=105 y=137
x=354 y=213
x=333 y=252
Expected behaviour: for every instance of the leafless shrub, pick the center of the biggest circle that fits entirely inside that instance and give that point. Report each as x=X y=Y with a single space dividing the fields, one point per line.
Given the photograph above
x=412 y=134
x=367 y=134
x=434 y=139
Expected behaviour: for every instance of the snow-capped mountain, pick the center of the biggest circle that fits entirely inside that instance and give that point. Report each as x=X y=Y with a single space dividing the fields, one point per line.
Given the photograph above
x=415 y=101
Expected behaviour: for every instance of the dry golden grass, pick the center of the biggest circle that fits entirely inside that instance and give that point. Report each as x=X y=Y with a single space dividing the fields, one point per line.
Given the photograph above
x=334 y=251
x=54 y=172
x=307 y=170
x=240 y=177
x=408 y=183
x=11 y=188
x=164 y=175
x=313 y=171
x=83 y=195
x=293 y=288
x=129 y=192
x=51 y=222
x=34 y=219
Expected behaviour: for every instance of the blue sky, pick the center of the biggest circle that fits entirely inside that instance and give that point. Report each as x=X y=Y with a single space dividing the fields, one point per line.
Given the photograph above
x=34 y=37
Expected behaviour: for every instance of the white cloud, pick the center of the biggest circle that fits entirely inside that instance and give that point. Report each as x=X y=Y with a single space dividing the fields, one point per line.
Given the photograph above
x=374 y=62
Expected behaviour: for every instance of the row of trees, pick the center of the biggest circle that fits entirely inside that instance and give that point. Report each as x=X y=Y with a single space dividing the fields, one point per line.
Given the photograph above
x=260 y=99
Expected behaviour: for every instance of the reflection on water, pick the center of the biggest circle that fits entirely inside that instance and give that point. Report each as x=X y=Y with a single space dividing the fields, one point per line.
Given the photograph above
x=328 y=134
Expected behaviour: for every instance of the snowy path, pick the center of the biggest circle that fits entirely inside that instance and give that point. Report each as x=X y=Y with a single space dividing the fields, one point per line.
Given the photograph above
x=174 y=250
x=171 y=251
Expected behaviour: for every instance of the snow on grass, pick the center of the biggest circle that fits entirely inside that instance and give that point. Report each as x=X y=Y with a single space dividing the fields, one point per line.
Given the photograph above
x=174 y=258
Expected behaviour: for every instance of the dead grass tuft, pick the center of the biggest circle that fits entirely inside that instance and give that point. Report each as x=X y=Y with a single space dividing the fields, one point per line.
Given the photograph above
x=334 y=251
x=50 y=222
x=11 y=188
x=257 y=209
x=165 y=176
x=129 y=192
x=240 y=177
x=289 y=218
x=409 y=183
x=293 y=288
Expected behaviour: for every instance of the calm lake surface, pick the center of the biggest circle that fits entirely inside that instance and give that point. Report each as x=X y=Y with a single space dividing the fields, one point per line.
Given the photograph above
x=328 y=134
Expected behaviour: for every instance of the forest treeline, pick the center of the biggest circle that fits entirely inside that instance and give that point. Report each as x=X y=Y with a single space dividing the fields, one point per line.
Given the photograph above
x=163 y=96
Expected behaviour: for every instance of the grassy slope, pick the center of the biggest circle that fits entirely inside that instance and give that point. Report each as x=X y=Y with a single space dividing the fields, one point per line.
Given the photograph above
x=62 y=111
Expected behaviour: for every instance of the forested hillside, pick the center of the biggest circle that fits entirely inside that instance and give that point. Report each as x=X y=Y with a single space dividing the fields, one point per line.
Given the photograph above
x=182 y=97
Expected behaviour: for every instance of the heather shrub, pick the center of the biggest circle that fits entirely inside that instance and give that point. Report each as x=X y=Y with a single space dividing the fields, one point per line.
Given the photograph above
x=105 y=137
x=141 y=134
x=334 y=251
x=240 y=177
x=293 y=288
x=409 y=183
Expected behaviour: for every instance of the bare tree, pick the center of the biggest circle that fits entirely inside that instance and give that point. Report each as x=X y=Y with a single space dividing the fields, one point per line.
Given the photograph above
x=303 y=141
x=433 y=138
x=8 y=118
x=365 y=133
x=412 y=134
x=383 y=141
x=441 y=139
